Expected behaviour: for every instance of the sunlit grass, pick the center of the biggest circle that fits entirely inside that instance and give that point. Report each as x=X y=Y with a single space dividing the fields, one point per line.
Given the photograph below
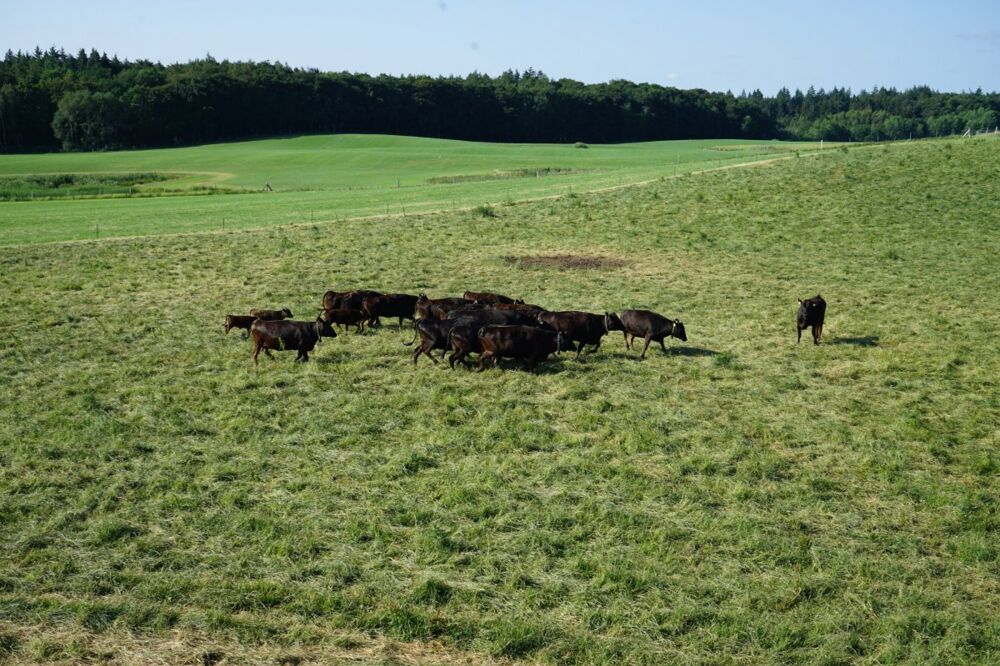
x=738 y=499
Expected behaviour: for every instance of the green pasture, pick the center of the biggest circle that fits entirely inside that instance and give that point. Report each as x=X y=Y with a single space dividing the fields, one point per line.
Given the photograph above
x=739 y=499
x=323 y=178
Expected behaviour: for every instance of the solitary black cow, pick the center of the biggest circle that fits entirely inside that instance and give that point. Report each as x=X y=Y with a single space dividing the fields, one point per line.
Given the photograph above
x=271 y=315
x=239 y=321
x=583 y=328
x=530 y=344
x=488 y=297
x=286 y=334
x=812 y=312
x=345 y=317
x=650 y=326
x=401 y=306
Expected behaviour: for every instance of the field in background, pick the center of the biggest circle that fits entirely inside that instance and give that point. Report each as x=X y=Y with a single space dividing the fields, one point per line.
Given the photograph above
x=738 y=499
x=322 y=178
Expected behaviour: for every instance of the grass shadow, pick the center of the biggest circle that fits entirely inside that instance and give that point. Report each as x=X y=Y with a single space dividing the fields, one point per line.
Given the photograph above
x=862 y=341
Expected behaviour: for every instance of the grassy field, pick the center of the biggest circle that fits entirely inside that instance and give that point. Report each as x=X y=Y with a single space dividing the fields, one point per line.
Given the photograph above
x=740 y=499
x=323 y=178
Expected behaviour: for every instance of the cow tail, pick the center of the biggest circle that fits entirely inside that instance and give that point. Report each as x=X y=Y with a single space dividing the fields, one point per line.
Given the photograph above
x=415 y=331
x=559 y=339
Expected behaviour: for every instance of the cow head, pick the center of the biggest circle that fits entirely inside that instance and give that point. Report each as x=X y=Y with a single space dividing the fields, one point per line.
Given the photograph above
x=679 y=331
x=229 y=323
x=563 y=343
x=287 y=313
x=612 y=322
x=323 y=329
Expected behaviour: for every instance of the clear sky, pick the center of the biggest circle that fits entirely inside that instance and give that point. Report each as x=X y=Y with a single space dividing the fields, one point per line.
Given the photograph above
x=716 y=45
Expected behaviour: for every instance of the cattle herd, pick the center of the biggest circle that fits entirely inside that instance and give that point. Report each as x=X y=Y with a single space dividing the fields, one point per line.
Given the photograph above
x=490 y=325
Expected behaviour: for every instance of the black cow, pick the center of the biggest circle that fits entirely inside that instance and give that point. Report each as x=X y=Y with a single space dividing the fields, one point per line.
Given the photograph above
x=464 y=338
x=401 y=306
x=437 y=308
x=433 y=334
x=812 y=312
x=583 y=328
x=650 y=326
x=239 y=321
x=488 y=297
x=533 y=310
x=351 y=300
x=286 y=334
x=271 y=315
x=345 y=317
x=530 y=344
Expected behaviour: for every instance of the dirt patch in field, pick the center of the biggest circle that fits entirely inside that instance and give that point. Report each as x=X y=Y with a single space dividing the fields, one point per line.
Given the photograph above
x=570 y=261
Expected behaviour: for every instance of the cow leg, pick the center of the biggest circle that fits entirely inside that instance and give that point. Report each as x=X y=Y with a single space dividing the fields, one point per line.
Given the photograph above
x=256 y=351
x=596 y=347
x=416 y=353
x=427 y=352
x=817 y=334
x=625 y=335
x=485 y=356
x=632 y=340
x=579 y=350
x=662 y=346
x=303 y=356
x=649 y=339
x=799 y=332
x=267 y=351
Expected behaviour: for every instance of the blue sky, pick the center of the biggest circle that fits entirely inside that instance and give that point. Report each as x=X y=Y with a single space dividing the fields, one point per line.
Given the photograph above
x=950 y=46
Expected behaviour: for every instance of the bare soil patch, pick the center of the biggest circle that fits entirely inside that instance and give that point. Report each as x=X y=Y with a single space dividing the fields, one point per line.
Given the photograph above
x=571 y=261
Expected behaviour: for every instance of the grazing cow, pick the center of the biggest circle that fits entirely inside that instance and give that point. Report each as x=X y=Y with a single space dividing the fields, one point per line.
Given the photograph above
x=650 y=326
x=530 y=344
x=812 y=312
x=286 y=334
x=240 y=321
x=271 y=315
x=344 y=317
x=580 y=327
x=488 y=297
x=401 y=306
x=437 y=308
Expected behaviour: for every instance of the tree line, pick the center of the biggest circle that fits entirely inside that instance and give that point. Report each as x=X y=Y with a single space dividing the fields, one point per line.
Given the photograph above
x=88 y=101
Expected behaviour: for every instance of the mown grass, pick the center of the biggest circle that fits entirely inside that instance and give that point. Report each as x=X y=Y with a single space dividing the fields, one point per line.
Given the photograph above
x=738 y=499
x=324 y=178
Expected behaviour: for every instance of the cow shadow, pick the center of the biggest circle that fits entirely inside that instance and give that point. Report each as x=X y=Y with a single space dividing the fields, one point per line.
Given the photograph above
x=862 y=341
x=690 y=352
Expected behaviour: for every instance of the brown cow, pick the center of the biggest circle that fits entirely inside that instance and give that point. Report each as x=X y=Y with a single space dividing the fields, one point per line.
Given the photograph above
x=286 y=334
x=812 y=312
x=583 y=328
x=346 y=317
x=530 y=344
x=271 y=315
x=239 y=321
x=401 y=306
x=650 y=326
x=437 y=308
x=488 y=298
